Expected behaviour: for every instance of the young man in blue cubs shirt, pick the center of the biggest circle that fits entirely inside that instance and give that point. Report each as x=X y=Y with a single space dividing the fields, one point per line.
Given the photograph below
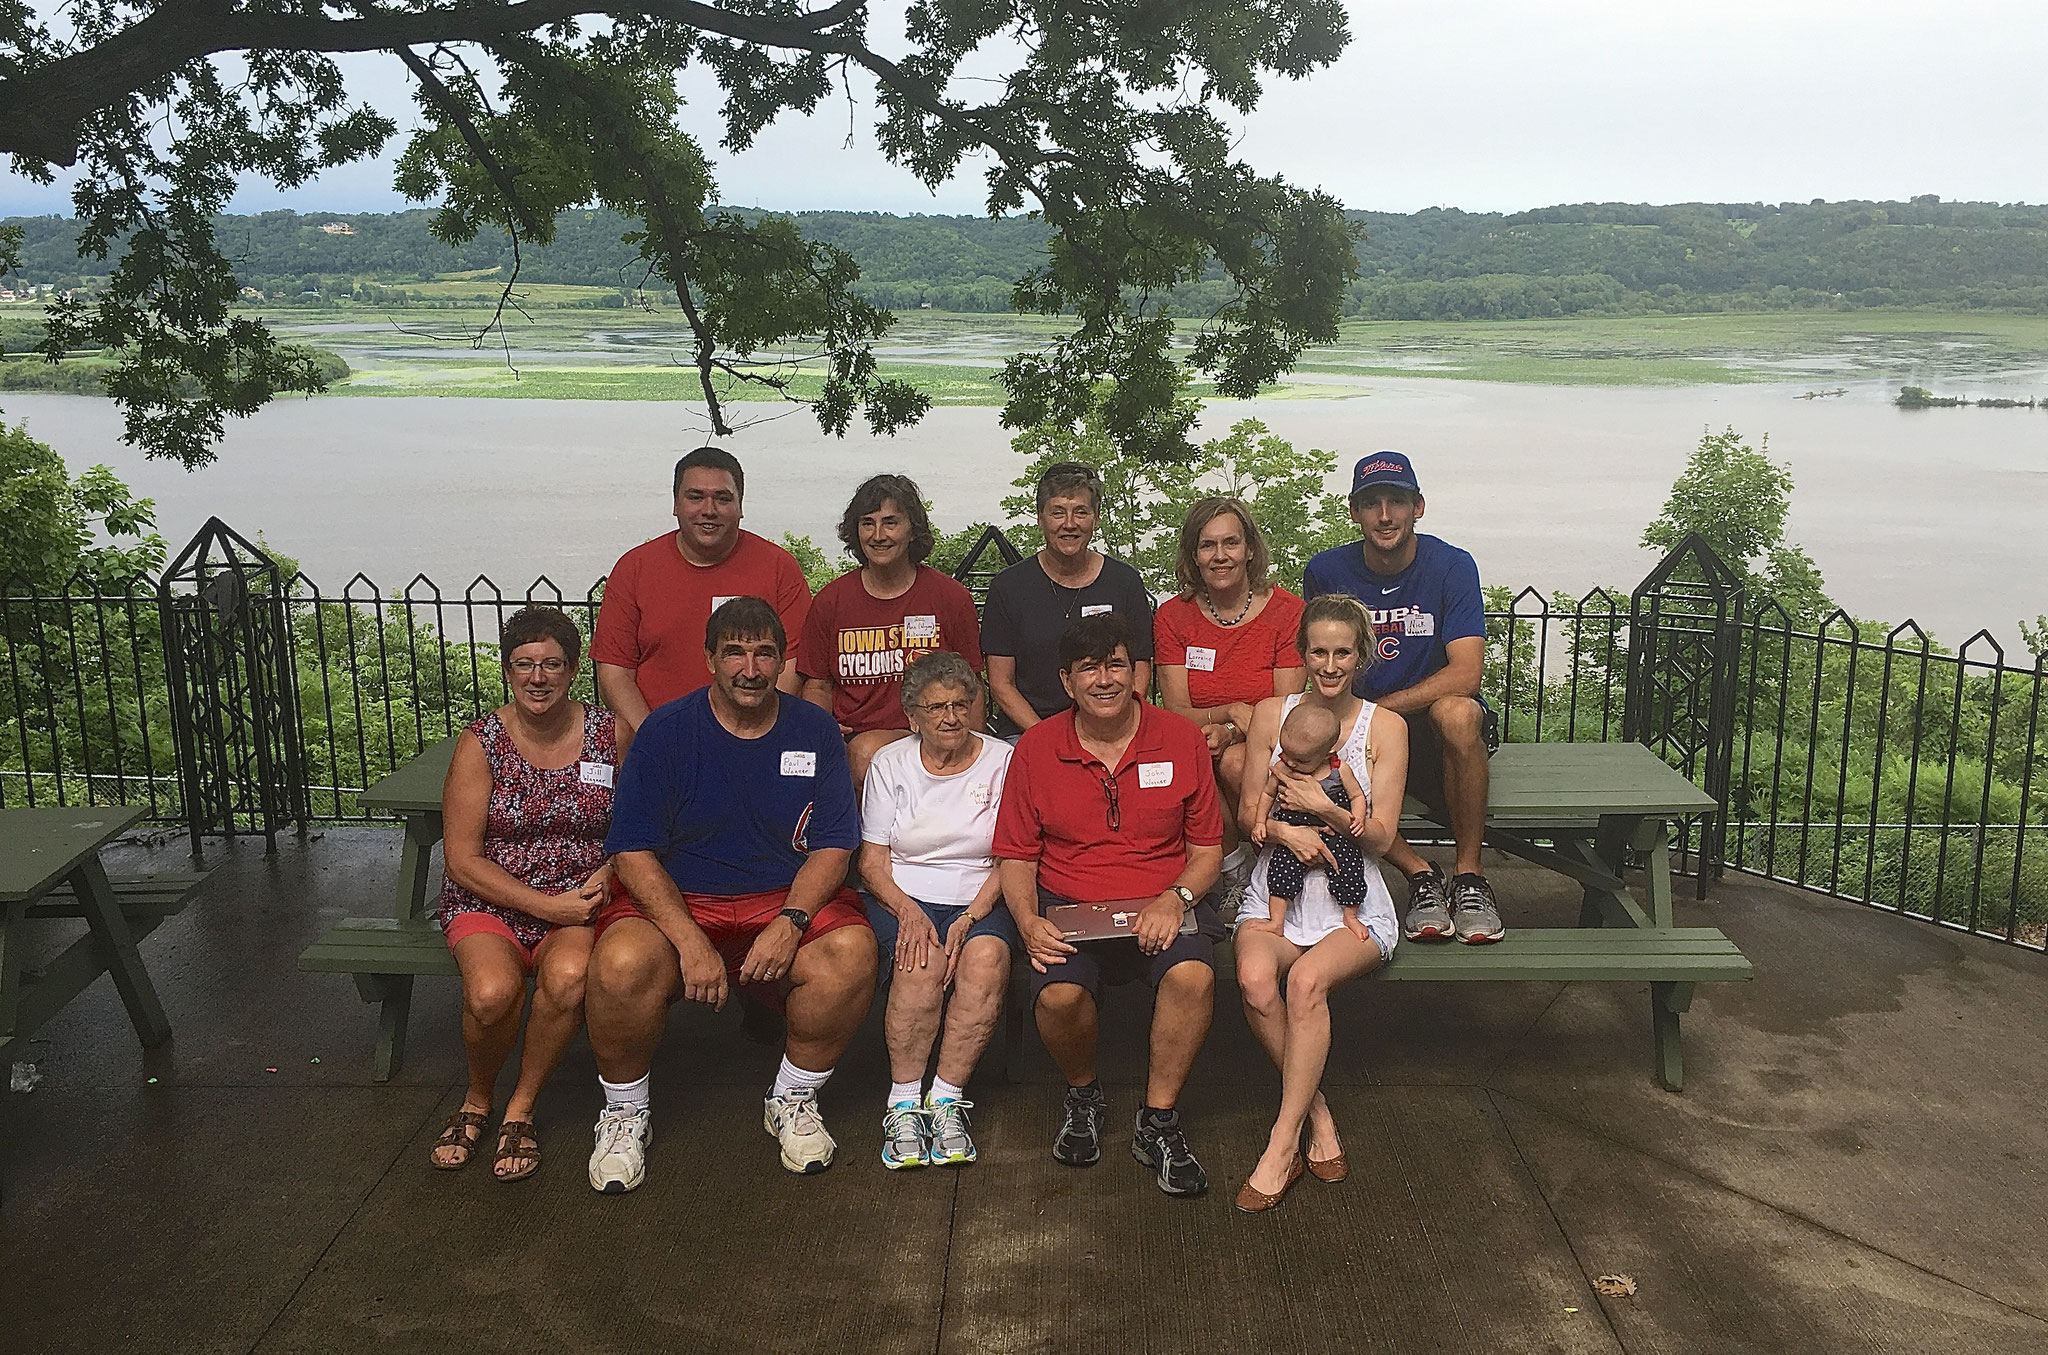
x=732 y=828
x=1429 y=628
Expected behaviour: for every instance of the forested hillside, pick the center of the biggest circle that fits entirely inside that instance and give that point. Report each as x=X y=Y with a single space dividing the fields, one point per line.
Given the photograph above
x=1602 y=259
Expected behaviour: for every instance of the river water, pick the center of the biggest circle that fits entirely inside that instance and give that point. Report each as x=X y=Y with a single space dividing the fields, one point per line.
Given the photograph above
x=1940 y=515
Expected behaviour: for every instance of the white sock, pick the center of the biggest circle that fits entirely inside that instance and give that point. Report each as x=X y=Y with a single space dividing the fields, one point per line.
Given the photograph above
x=632 y=1094
x=905 y=1093
x=943 y=1090
x=1235 y=859
x=790 y=1078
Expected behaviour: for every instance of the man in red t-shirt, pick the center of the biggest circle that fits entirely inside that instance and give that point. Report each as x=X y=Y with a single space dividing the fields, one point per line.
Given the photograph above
x=1106 y=801
x=869 y=624
x=649 y=640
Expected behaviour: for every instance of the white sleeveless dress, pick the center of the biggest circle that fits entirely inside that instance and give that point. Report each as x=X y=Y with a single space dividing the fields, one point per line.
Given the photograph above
x=1316 y=913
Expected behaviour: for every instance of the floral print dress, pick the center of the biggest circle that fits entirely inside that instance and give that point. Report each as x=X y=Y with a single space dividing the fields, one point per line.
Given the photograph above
x=544 y=827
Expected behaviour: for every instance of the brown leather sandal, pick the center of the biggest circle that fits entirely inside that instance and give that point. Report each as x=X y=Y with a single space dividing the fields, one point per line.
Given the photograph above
x=519 y=1146
x=464 y=1130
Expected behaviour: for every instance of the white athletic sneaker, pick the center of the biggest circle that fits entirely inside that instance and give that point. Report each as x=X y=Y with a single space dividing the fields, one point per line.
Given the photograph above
x=619 y=1162
x=795 y=1123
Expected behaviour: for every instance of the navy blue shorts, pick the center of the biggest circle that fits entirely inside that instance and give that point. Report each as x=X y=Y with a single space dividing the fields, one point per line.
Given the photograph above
x=997 y=924
x=1095 y=963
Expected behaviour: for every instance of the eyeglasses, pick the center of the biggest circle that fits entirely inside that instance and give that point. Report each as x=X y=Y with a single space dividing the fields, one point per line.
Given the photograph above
x=1115 y=813
x=945 y=707
x=526 y=667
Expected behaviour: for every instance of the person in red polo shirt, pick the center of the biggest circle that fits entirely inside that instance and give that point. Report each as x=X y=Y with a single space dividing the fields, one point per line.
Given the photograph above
x=1114 y=799
x=649 y=641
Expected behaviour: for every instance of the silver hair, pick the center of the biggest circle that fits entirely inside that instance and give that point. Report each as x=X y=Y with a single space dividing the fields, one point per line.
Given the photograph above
x=940 y=668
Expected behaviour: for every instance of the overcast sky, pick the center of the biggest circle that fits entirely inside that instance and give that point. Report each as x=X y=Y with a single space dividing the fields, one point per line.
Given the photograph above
x=1497 y=105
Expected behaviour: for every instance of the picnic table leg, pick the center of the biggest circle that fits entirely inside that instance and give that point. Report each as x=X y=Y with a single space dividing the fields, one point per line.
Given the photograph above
x=394 y=991
x=1667 y=1001
x=391 y=1024
x=123 y=960
x=1653 y=836
x=11 y=942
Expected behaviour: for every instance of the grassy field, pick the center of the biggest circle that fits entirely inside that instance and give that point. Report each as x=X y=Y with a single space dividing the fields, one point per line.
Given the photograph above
x=565 y=353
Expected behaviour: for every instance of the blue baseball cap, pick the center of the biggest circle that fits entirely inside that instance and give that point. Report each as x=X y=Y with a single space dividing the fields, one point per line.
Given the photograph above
x=1383 y=468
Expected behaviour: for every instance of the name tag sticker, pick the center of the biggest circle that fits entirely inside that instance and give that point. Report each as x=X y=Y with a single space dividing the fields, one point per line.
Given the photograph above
x=1153 y=775
x=916 y=628
x=1095 y=608
x=717 y=602
x=594 y=773
x=978 y=794
x=1418 y=623
x=799 y=762
x=1201 y=660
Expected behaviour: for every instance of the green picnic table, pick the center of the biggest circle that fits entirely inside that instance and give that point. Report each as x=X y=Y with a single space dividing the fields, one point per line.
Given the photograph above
x=385 y=954
x=50 y=869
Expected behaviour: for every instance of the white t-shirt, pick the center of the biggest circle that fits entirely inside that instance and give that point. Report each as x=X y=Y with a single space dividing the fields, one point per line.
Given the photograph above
x=940 y=830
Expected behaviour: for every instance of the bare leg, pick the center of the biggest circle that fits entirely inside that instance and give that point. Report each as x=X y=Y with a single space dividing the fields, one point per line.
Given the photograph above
x=633 y=970
x=1466 y=775
x=1263 y=960
x=911 y=1020
x=559 y=966
x=1068 y=1023
x=1181 y=1012
x=978 y=984
x=830 y=986
x=1229 y=784
x=493 y=990
x=1337 y=958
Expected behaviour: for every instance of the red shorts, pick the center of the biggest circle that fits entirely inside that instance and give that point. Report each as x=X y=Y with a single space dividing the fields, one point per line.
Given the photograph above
x=732 y=921
x=473 y=923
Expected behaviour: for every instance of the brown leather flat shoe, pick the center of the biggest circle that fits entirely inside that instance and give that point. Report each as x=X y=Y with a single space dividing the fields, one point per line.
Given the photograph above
x=1330 y=1170
x=1253 y=1201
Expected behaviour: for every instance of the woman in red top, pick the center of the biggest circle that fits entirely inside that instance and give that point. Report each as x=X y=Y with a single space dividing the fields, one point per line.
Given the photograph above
x=1224 y=645
x=526 y=806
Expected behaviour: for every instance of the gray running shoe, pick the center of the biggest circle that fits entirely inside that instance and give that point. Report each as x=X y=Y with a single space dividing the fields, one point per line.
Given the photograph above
x=1079 y=1140
x=1474 y=911
x=1229 y=890
x=1429 y=908
x=951 y=1145
x=904 y=1138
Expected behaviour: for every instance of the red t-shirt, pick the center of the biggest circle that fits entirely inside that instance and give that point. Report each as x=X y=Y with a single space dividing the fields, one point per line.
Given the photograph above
x=1055 y=808
x=1228 y=663
x=656 y=605
x=861 y=643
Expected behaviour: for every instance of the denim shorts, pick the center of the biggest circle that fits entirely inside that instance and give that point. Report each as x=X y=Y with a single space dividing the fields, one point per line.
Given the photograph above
x=997 y=924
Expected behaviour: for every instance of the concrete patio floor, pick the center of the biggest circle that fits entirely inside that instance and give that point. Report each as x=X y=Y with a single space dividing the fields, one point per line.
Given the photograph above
x=1857 y=1164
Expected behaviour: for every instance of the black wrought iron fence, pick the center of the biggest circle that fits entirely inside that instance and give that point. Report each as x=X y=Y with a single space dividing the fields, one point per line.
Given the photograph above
x=1873 y=766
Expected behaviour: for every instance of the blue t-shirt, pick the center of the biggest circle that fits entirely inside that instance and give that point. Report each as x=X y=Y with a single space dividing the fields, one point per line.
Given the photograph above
x=729 y=815
x=1414 y=613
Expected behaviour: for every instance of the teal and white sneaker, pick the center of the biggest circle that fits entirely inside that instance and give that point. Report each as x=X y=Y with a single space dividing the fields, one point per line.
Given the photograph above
x=904 y=1137
x=951 y=1145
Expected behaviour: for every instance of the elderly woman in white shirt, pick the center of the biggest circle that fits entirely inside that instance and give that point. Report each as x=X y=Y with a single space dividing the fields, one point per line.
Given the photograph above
x=928 y=818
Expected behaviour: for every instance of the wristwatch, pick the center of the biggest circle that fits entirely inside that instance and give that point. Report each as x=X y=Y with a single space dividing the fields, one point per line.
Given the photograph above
x=1187 y=897
x=798 y=918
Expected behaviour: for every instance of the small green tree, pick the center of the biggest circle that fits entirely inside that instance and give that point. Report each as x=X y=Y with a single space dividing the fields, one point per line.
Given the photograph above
x=1736 y=497
x=49 y=521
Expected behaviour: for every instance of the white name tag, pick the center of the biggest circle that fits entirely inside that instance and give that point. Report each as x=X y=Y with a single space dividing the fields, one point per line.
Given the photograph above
x=718 y=602
x=1095 y=608
x=916 y=628
x=1418 y=623
x=978 y=794
x=594 y=773
x=799 y=762
x=1201 y=660
x=1152 y=775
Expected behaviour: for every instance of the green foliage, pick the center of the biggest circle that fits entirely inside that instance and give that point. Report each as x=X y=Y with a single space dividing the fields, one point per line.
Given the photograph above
x=819 y=568
x=1111 y=132
x=1144 y=501
x=49 y=521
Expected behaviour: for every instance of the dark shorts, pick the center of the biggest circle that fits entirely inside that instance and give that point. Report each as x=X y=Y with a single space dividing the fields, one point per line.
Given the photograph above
x=1426 y=759
x=997 y=924
x=1095 y=963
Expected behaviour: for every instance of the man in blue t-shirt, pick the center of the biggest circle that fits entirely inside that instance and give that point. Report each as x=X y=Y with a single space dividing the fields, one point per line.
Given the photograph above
x=732 y=828
x=1429 y=628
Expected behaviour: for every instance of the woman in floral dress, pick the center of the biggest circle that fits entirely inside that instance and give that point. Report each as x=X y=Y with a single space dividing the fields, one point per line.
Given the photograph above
x=525 y=811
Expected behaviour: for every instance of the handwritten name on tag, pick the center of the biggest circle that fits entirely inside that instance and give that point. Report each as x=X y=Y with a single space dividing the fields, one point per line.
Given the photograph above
x=1201 y=660
x=1418 y=623
x=1095 y=608
x=799 y=762
x=1152 y=775
x=920 y=629
x=595 y=774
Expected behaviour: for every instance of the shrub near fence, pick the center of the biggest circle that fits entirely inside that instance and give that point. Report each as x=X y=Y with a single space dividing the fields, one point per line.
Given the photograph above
x=1870 y=765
